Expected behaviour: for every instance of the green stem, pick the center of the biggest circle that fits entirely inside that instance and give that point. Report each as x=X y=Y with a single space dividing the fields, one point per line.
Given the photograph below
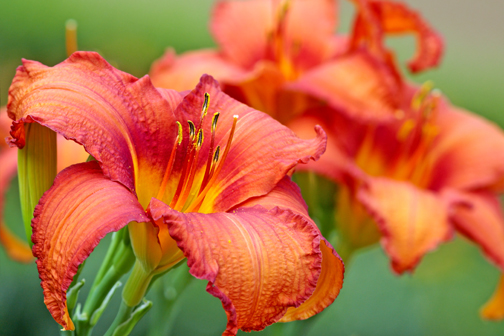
x=137 y=285
x=117 y=238
x=122 y=316
x=168 y=292
x=117 y=262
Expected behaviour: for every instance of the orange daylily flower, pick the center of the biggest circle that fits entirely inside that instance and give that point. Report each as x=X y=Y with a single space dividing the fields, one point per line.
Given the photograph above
x=282 y=57
x=410 y=183
x=196 y=175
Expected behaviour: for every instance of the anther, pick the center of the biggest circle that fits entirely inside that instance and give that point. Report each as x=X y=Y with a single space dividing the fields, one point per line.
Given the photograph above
x=200 y=138
x=206 y=103
x=421 y=94
x=179 y=136
x=214 y=121
x=192 y=130
x=216 y=154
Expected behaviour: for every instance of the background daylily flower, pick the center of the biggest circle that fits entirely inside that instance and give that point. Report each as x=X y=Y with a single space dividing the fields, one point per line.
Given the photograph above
x=398 y=166
x=382 y=141
x=412 y=182
x=190 y=177
x=269 y=60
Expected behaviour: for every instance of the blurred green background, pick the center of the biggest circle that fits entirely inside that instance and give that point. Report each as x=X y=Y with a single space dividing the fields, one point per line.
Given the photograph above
x=444 y=294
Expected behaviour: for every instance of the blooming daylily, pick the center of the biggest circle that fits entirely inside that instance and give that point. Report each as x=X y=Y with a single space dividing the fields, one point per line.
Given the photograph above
x=282 y=57
x=412 y=182
x=200 y=176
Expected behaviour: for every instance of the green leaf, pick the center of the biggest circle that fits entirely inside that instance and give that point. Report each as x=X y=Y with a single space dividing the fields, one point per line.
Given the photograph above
x=97 y=313
x=73 y=294
x=125 y=328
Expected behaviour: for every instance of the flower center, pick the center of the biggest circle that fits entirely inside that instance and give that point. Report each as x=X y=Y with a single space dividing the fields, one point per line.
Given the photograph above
x=407 y=157
x=278 y=44
x=192 y=188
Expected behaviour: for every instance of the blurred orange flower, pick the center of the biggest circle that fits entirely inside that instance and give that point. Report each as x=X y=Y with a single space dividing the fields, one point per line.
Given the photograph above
x=404 y=157
x=282 y=57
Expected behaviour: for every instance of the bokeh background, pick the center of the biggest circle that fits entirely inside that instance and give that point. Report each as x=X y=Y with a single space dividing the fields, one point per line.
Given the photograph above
x=444 y=294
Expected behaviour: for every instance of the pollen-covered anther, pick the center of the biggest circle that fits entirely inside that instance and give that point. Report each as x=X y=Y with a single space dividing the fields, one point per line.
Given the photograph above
x=216 y=154
x=199 y=139
x=192 y=130
x=206 y=104
x=180 y=134
x=215 y=118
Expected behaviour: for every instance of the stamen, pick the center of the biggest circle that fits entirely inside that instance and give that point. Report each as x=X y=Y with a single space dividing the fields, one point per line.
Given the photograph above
x=199 y=142
x=187 y=166
x=216 y=155
x=189 y=181
x=206 y=104
x=214 y=121
x=210 y=151
x=214 y=162
x=199 y=200
x=179 y=136
x=192 y=130
x=421 y=94
x=169 y=167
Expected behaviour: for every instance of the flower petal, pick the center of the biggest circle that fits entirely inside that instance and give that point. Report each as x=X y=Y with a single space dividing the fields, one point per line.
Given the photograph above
x=328 y=286
x=482 y=221
x=469 y=151
x=287 y=195
x=241 y=29
x=494 y=308
x=17 y=249
x=258 y=262
x=357 y=84
x=343 y=138
x=69 y=153
x=183 y=72
x=412 y=221
x=124 y=122
x=377 y=18
x=310 y=47
x=262 y=150
x=72 y=217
